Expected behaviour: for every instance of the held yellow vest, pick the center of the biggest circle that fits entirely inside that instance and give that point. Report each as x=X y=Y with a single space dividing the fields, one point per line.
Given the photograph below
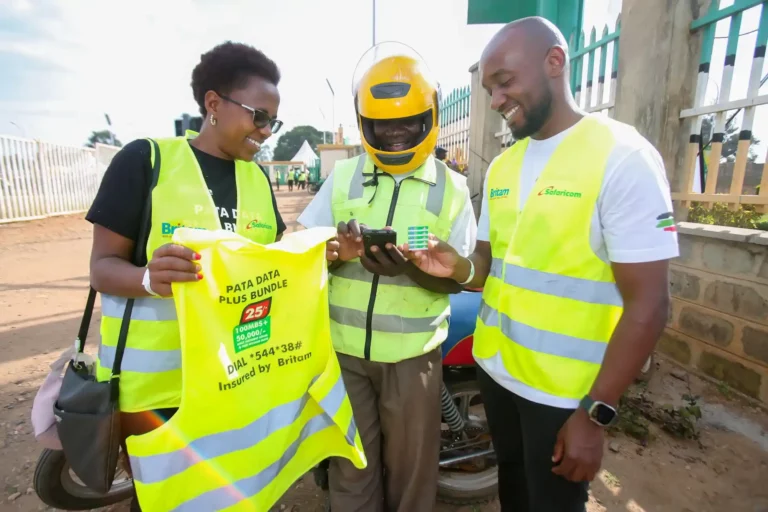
x=550 y=305
x=390 y=319
x=263 y=400
x=151 y=366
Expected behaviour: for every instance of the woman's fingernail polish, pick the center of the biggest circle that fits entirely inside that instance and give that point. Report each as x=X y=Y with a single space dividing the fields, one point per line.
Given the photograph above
x=197 y=256
x=199 y=277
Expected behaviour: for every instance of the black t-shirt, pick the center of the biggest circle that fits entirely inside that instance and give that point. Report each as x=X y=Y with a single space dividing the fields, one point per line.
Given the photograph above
x=124 y=188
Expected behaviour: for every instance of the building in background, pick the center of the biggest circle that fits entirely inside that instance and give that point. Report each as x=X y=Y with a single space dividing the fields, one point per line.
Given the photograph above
x=566 y=14
x=339 y=150
x=187 y=122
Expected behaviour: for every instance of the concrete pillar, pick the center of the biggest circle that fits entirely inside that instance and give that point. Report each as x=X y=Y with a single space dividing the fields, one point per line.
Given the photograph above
x=658 y=65
x=484 y=146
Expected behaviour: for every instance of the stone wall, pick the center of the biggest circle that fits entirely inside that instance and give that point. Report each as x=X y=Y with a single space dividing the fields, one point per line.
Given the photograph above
x=719 y=319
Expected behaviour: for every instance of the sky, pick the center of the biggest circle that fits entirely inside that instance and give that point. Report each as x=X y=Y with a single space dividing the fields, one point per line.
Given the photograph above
x=67 y=62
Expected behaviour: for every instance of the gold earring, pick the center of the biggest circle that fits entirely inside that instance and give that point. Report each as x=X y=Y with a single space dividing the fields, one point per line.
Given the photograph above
x=213 y=121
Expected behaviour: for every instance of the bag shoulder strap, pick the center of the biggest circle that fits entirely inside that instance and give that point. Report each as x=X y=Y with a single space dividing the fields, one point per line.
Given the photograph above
x=139 y=249
x=85 y=322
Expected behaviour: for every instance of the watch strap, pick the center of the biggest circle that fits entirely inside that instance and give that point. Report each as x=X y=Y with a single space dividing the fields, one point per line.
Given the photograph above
x=586 y=403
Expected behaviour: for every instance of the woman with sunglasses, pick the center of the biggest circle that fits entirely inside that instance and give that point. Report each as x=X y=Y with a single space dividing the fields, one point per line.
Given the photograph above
x=206 y=181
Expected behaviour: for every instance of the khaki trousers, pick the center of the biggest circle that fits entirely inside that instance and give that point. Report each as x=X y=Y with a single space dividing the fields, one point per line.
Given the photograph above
x=397 y=410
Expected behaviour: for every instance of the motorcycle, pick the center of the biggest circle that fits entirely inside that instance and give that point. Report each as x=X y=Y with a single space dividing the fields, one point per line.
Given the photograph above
x=468 y=471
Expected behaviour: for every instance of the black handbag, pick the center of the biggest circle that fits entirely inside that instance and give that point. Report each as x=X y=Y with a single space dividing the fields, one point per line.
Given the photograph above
x=87 y=411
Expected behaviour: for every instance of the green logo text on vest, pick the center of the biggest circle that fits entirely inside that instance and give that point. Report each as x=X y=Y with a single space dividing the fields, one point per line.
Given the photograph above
x=552 y=191
x=498 y=193
x=169 y=227
x=256 y=224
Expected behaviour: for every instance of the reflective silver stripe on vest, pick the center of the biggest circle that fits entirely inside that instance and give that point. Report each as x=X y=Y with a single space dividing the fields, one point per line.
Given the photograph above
x=142 y=361
x=356 y=185
x=435 y=196
x=354 y=270
x=497 y=264
x=488 y=315
x=584 y=290
x=236 y=492
x=385 y=323
x=436 y=193
x=156 y=468
x=546 y=342
x=351 y=431
x=144 y=308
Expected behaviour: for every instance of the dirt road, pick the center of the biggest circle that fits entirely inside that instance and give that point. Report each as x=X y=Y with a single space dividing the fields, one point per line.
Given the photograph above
x=43 y=285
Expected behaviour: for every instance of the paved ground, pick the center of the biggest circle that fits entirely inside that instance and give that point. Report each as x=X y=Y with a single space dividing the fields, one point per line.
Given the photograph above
x=43 y=285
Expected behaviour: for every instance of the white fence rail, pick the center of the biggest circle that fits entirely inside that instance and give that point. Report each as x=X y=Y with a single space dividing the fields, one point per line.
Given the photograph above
x=39 y=179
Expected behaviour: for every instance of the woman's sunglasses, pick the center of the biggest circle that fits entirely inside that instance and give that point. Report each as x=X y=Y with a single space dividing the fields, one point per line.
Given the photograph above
x=260 y=117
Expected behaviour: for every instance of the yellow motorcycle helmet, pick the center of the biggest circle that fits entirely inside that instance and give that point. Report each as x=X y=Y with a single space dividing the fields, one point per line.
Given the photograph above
x=393 y=82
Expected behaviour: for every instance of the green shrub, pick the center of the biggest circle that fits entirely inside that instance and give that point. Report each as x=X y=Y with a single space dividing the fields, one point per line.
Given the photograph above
x=720 y=215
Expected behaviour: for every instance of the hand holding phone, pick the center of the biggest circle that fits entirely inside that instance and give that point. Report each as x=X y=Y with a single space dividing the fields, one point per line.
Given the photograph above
x=378 y=259
x=379 y=238
x=350 y=239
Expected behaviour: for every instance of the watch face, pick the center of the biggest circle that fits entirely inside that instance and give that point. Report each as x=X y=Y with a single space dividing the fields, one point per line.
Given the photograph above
x=603 y=414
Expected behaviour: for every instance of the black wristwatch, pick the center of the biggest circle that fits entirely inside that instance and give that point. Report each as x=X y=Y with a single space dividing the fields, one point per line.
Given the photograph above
x=599 y=412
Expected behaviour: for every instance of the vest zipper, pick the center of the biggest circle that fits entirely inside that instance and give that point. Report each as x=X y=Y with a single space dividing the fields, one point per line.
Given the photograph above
x=375 y=282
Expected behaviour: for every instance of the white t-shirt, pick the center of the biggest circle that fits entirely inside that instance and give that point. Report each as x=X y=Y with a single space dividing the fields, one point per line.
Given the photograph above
x=463 y=231
x=634 y=194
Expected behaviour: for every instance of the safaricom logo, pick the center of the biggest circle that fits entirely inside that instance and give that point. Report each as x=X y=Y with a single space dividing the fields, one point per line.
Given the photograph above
x=552 y=191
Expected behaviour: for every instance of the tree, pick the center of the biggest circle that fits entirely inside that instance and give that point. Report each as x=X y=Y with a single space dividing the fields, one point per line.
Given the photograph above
x=264 y=154
x=731 y=142
x=102 y=137
x=290 y=142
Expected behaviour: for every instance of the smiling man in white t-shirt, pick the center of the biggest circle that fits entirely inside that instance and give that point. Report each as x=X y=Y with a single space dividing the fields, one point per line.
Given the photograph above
x=573 y=245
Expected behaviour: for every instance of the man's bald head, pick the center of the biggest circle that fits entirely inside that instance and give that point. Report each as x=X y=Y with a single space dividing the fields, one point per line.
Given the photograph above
x=535 y=34
x=524 y=69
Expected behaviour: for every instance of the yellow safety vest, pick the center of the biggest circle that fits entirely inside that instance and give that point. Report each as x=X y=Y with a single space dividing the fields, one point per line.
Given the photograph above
x=550 y=305
x=389 y=319
x=263 y=400
x=151 y=366
x=302 y=177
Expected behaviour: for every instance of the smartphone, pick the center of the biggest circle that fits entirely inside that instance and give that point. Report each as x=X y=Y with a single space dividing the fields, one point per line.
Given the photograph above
x=379 y=238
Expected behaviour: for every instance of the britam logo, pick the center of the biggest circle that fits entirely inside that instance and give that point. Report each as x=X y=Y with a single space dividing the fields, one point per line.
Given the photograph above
x=498 y=193
x=169 y=227
x=552 y=191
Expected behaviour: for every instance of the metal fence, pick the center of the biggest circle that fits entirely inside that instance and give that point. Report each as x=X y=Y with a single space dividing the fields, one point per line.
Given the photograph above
x=454 y=125
x=706 y=159
x=588 y=97
x=39 y=179
x=594 y=99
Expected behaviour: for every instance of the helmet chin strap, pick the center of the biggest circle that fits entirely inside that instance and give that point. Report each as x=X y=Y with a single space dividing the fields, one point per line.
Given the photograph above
x=373 y=182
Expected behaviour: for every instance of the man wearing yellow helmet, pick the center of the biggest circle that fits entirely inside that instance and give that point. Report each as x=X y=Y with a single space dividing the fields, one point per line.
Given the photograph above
x=388 y=318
